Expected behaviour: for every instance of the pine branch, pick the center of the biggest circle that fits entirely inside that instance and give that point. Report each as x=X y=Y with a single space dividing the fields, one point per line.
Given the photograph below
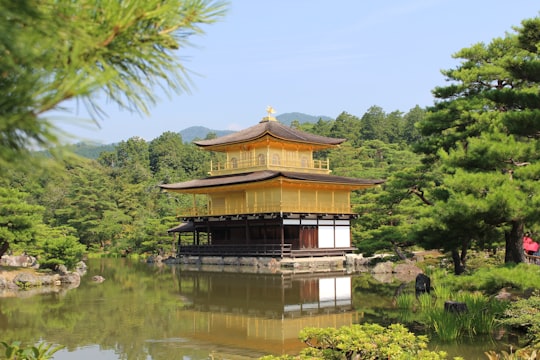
x=416 y=191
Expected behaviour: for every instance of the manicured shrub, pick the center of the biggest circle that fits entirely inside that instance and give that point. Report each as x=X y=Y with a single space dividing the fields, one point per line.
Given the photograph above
x=365 y=341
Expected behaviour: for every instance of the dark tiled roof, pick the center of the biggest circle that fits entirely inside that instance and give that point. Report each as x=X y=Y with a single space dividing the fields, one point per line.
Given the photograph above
x=272 y=128
x=267 y=175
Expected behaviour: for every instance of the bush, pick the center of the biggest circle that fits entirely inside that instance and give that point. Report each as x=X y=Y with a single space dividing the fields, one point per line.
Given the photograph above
x=365 y=341
x=61 y=248
x=524 y=315
x=14 y=351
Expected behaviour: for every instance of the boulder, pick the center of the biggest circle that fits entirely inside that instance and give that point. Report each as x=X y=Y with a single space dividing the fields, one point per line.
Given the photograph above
x=386 y=267
x=25 y=279
x=455 y=307
x=98 y=278
x=71 y=278
x=503 y=295
x=53 y=279
x=19 y=261
x=81 y=268
x=407 y=268
x=422 y=284
x=406 y=272
x=62 y=270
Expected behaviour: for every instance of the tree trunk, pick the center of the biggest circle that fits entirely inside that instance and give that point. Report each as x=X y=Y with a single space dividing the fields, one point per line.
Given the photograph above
x=514 y=243
x=4 y=246
x=463 y=256
x=458 y=265
x=398 y=252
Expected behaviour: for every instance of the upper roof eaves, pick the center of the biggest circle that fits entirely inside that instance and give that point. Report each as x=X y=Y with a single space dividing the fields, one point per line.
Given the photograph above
x=271 y=128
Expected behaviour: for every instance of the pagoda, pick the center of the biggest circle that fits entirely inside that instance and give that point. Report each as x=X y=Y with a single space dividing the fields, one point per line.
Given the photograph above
x=269 y=197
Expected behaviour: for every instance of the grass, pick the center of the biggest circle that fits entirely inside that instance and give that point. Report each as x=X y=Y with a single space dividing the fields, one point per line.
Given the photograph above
x=448 y=326
x=482 y=309
x=490 y=280
x=406 y=301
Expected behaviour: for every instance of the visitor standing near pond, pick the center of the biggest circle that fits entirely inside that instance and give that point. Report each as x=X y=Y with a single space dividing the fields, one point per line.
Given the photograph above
x=529 y=245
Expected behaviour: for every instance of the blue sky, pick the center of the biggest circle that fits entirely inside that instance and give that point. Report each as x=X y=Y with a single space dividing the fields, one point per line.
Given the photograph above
x=316 y=57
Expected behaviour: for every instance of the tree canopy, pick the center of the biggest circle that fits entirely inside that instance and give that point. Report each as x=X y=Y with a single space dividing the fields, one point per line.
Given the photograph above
x=482 y=137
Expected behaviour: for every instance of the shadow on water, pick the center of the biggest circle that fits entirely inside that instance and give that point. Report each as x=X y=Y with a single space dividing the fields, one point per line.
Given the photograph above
x=146 y=311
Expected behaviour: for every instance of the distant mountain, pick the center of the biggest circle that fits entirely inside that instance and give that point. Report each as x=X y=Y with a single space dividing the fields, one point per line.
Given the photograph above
x=90 y=150
x=288 y=118
x=93 y=150
x=199 y=132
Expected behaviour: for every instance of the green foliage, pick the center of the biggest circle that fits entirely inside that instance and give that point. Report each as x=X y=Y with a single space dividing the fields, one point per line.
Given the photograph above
x=480 y=317
x=405 y=301
x=519 y=354
x=365 y=341
x=22 y=227
x=60 y=247
x=18 y=219
x=14 y=351
x=476 y=138
x=389 y=212
x=55 y=51
x=524 y=315
x=491 y=280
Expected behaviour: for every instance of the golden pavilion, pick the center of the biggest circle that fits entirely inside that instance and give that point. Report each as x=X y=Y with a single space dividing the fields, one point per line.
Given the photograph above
x=270 y=197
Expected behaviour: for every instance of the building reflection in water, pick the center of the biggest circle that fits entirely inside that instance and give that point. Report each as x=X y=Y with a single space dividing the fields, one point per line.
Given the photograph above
x=263 y=312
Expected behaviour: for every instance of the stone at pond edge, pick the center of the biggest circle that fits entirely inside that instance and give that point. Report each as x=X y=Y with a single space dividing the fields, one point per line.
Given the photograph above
x=422 y=284
x=26 y=279
x=17 y=279
x=455 y=307
x=19 y=261
x=98 y=278
x=386 y=267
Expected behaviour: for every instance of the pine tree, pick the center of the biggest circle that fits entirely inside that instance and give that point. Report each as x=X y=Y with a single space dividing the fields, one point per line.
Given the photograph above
x=52 y=51
x=482 y=138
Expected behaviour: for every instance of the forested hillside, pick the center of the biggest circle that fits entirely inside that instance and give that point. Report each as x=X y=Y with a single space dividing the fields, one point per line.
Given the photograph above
x=113 y=203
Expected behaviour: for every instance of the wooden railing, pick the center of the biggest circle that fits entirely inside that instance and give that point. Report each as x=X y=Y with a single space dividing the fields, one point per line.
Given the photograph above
x=317 y=252
x=262 y=250
x=532 y=259
x=273 y=250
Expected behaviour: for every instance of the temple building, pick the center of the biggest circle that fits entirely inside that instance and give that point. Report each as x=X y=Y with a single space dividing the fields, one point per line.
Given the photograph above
x=269 y=197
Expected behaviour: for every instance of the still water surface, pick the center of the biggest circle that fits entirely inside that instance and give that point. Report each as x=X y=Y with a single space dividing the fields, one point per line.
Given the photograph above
x=154 y=312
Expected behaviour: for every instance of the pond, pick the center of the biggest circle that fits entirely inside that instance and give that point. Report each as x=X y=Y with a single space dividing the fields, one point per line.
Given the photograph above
x=144 y=311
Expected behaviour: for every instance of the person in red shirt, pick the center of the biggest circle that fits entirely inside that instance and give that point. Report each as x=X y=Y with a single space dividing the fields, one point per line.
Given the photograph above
x=529 y=245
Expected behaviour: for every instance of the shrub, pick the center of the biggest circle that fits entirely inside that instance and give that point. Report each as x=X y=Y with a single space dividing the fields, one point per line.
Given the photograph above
x=61 y=248
x=14 y=351
x=524 y=315
x=365 y=341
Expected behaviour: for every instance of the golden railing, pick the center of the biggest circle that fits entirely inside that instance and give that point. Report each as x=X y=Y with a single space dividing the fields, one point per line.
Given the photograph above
x=236 y=166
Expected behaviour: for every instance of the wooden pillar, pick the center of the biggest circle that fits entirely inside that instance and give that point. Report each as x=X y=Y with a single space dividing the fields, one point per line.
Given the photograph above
x=282 y=228
x=247 y=230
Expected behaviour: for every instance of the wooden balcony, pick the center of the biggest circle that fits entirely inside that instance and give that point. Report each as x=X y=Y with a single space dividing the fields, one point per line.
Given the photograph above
x=234 y=166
